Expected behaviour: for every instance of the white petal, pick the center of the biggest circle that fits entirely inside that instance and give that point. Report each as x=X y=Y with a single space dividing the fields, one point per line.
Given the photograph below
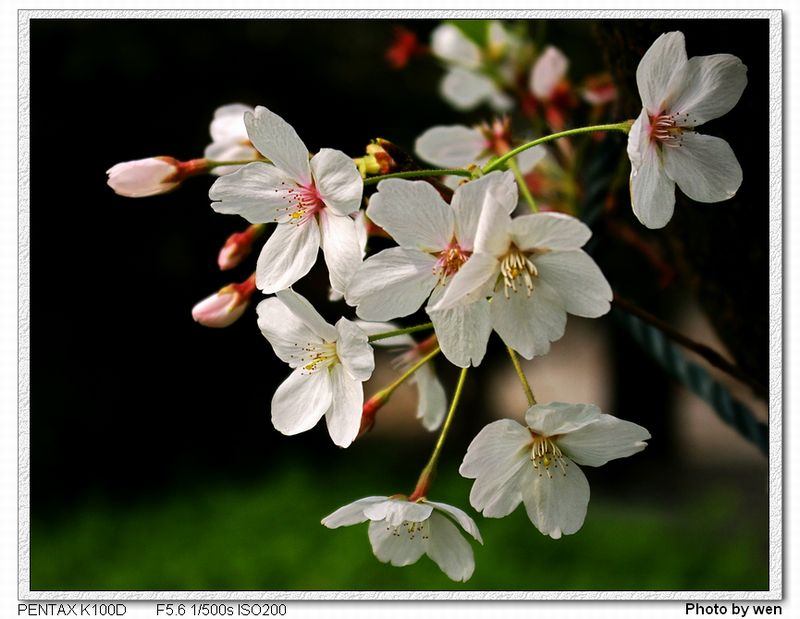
x=495 y=459
x=470 y=198
x=493 y=233
x=287 y=255
x=337 y=180
x=257 y=192
x=605 y=439
x=500 y=101
x=578 y=281
x=704 y=167
x=350 y=514
x=464 y=89
x=229 y=151
x=463 y=330
x=460 y=516
x=658 y=66
x=449 y=43
x=344 y=415
x=228 y=123
x=301 y=400
x=549 y=70
x=455 y=146
x=341 y=247
x=465 y=286
x=284 y=330
x=528 y=159
x=432 y=402
x=353 y=350
x=414 y=214
x=278 y=141
x=392 y=283
x=449 y=550
x=558 y=418
x=556 y=503
x=394 y=544
x=554 y=231
x=397 y=511
x=300 y=307
x=712 y=85
x=652 y=191
x=529 y=324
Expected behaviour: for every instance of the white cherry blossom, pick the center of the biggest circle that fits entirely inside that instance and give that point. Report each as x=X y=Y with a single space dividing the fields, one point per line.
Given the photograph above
x=538 y=464
x=435 y=239
x=457 y=146
x=330 y=364
x=534 y=271
x=680 y=94
x=432 y=402
x=230 y=141
x=310 y=201
x=465 y=86
x=401 y=531
x=548 y=70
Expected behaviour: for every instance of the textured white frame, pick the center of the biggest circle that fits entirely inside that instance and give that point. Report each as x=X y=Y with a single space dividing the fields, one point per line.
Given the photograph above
x=775 y=591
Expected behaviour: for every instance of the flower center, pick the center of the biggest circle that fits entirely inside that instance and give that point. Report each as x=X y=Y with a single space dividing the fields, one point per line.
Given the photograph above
x=450 y=260
x=515 y=266
x=302 y=203
x=668 y=129
x=545 y=453
x=410 y=530
x=314 y=356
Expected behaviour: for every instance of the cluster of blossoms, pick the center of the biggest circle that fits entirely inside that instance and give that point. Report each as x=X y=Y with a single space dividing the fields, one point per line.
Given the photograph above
x=462 y=254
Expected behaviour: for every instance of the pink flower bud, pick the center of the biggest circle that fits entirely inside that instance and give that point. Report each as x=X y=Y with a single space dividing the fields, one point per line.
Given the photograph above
x=150 y=177
x=238 y=247
x=226 y=306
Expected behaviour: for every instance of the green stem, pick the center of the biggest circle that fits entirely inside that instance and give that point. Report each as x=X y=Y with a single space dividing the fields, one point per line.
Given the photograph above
x=518 y=368
x=425 y=477
x=419 y=174
x=625 y=127
x=523 y=186
x=387 y=391
x=388 y=334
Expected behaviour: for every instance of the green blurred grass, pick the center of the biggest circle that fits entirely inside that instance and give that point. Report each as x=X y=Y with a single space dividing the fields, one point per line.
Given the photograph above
x=268 y=537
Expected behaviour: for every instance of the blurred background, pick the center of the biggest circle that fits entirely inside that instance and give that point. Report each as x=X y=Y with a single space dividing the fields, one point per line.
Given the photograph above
x=154 y=464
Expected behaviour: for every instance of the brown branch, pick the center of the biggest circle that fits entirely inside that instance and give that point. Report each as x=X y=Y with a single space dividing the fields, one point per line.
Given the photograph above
x=706 y=352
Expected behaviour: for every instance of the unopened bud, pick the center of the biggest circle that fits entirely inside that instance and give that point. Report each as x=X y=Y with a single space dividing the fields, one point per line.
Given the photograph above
x=226 y=306
x=369 y=411
x=238 y=247
x=150 y=177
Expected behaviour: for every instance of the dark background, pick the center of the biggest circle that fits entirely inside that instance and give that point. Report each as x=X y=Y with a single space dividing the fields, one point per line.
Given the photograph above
x=132 y=402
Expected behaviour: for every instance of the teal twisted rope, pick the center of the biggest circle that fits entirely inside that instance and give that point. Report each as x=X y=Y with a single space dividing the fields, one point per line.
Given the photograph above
x=696 y=378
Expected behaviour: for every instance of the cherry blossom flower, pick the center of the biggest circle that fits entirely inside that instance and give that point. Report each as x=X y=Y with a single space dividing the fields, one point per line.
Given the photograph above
x=401 y=531
x=310 y=201
x=547 y=72
x=330 y=364
x=432 y=402
x=533 y=269
x=680 y=94
x=238 y=246
x=465 y=86
x=435 y=239
x=537 y=464
x=145 y=177
x=230 y=141
x=457 y=146
x=225 y=306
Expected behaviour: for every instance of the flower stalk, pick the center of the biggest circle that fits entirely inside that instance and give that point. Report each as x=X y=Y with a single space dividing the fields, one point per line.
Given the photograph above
x=419 y=174
x=388 y=334
x=624 y=126
x=425 y=478
x=518 y=369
